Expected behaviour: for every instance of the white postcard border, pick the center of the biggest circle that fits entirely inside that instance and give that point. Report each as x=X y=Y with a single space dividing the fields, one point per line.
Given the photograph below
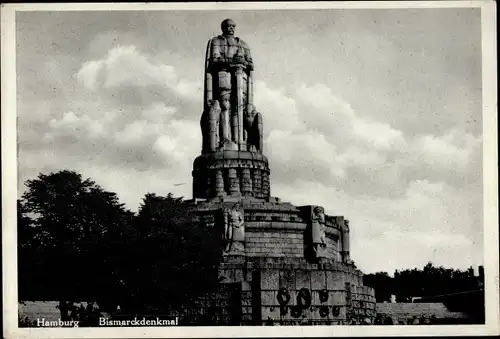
x=9 y=184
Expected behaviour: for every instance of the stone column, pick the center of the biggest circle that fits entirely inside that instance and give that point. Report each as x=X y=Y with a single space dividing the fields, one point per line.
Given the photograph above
x=238 y=138
x=219 y=183
x=234 y=182
x=345 y=241
x=207 y=186
x=257 y=182
x=225 y=88
x=208 y=89
x=250 y=88
x=213 y=133
x=265 y=183
x=224 y=123
x=246 y=181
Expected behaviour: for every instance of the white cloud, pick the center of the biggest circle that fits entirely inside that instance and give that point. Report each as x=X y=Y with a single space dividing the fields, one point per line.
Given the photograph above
x=450 y=150
x=355 y=157
x=379 y=135
x=321 y=97
x=317 y=133
x=125 y=65
x=88 y=73
x=279 y=110
x=134 y=132
x=144 y=135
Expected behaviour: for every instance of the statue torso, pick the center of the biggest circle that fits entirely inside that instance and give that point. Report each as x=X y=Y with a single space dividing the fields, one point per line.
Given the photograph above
x=230 y=50
x=235 y=218
x=318 y=230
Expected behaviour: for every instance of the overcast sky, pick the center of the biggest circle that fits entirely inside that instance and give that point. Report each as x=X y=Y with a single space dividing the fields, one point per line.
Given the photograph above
x=373 y=114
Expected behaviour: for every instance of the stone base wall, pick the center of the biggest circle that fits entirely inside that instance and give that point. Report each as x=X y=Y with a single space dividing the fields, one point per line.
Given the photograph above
x=283 y=291
x=281 y=283
x=290 y=291
x=269 y=243
x=272 y=228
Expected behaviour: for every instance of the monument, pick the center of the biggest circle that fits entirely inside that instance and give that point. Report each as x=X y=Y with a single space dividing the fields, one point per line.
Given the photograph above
x=285 y=264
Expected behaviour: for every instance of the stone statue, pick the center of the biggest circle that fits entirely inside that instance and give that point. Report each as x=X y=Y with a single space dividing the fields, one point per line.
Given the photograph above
x=318 y=232
x=234 y=230
x=229 y=81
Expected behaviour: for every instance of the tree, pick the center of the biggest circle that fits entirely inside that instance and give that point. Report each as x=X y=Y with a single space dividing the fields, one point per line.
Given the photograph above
x=79 y=243
x=429 y=281
x=425 y=282
x=68 y=228
x=432 y=281
x=169 y=243
x=28 y=244
x=382 y=284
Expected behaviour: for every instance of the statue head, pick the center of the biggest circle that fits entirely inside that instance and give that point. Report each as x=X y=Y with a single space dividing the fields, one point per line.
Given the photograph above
x=318 y=212
x=228 y=26
x=250 y=108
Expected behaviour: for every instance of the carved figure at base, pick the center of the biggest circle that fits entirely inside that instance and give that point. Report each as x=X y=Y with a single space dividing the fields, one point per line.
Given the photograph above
x=234 y=229
x=318 y=232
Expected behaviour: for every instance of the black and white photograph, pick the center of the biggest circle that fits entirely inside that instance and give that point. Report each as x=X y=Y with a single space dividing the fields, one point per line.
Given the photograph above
x=179 y=170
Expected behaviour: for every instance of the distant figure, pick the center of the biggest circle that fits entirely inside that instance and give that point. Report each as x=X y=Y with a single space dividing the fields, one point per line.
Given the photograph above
x=74 y=311
x=90 y=307
x=64 y=309
x=433 y=320
x=91 y=317
x=388 y=321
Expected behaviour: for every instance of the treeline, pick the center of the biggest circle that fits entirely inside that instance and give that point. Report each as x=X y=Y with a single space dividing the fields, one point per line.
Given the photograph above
x=426 y=282
x=77 y=242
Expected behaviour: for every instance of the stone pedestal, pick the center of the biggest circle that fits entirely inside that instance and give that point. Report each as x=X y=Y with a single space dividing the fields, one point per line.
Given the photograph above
x=290 y=291
x=246 y=182
x=281 y=284
x=232 y=173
